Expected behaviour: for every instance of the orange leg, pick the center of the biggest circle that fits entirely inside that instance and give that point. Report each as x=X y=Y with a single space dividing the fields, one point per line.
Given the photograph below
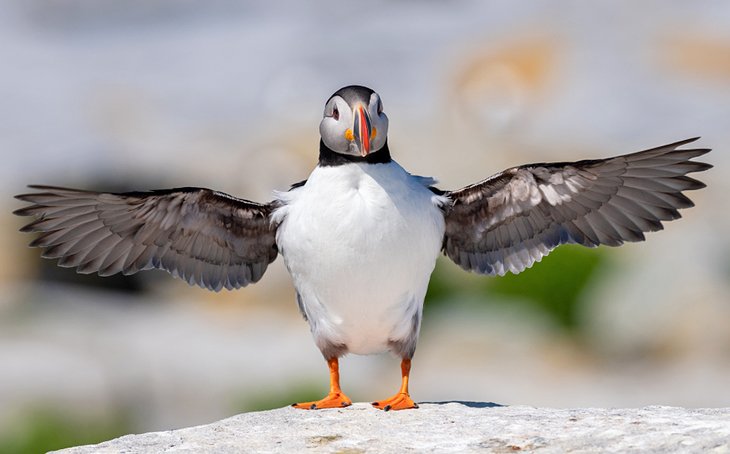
x=402 y=400
x=336 y=398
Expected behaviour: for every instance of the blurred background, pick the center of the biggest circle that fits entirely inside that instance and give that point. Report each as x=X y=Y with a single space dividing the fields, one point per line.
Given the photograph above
x=103 y=94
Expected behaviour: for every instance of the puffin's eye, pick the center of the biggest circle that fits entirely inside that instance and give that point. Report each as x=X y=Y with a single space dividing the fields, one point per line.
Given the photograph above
x=335 y=113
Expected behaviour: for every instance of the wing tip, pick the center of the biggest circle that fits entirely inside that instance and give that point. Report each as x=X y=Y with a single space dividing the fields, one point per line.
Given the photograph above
x=701 y=166
x=26 y=197
x=700 y=151
x=29 y=228
x=45 y=187
x=679 y=143
x=25 y=211
x=29 y=196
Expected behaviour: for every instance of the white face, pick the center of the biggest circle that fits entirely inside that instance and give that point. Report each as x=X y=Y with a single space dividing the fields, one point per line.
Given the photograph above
x=340 y=133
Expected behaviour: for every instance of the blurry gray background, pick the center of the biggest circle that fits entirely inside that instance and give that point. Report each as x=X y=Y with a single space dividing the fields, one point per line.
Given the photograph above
x=104 y=94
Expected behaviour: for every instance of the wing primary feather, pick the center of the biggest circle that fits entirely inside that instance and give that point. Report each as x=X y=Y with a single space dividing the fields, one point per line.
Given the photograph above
x=499 y=224
x=178 y=230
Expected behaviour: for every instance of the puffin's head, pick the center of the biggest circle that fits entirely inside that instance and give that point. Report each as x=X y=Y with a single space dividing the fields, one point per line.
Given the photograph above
x=354 y=122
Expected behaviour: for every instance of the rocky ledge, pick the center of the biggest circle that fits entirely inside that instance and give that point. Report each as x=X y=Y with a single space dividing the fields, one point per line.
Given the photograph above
x=443 y=427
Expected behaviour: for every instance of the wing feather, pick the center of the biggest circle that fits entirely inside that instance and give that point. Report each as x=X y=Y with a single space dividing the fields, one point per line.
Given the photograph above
x=511 y=220
x=206 y=238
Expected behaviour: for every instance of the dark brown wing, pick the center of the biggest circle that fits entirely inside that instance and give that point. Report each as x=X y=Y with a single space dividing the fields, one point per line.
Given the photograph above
x=513 y=219
x=204 y=237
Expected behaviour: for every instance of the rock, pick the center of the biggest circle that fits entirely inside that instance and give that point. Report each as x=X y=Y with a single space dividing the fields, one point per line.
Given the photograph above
x=443 y=427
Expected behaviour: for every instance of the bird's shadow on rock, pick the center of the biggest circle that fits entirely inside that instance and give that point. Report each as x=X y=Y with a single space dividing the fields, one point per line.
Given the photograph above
x=467 y=403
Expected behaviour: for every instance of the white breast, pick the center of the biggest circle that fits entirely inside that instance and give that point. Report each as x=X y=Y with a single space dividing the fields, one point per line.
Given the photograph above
x=361 y=241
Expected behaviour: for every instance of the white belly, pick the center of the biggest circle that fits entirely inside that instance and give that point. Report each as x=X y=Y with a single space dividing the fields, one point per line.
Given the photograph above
x=361 y=241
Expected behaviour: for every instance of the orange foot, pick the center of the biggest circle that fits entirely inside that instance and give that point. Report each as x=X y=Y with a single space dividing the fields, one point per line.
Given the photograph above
x=333 y=400
x=401 y=401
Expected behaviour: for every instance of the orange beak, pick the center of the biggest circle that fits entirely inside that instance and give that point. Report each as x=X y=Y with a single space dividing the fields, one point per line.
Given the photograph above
x=362 y=130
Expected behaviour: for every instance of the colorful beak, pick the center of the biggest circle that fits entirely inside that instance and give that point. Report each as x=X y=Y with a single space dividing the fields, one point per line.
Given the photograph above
x=362 y=129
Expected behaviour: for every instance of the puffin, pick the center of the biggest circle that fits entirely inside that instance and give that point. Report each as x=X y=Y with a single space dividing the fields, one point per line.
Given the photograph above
x=361 y=235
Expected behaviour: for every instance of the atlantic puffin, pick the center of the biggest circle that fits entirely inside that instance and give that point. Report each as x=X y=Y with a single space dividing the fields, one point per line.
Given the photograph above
x=361 y=235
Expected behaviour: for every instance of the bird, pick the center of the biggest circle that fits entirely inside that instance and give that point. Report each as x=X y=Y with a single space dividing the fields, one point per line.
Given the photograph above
x=361 y=235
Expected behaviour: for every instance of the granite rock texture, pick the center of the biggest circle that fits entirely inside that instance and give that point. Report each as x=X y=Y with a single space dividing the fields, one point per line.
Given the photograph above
x=443 y=427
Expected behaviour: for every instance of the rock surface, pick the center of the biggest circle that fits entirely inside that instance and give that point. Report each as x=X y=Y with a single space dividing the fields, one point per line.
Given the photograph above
x=443 y=427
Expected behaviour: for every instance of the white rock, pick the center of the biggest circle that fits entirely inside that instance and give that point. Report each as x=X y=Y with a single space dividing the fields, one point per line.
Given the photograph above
x=443 y=427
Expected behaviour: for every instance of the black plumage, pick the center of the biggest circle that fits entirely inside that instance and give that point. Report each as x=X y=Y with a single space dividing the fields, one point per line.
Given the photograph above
x=207 y=238
x=513 y=219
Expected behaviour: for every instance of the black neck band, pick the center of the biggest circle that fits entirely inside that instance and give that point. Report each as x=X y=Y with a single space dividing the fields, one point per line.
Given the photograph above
x=327 y=157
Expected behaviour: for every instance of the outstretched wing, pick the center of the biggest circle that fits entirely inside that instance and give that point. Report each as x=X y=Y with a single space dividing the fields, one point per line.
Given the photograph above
x=204 y=237
x=513 y=219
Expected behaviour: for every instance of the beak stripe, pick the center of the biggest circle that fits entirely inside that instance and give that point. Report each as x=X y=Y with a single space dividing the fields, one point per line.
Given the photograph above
x=362 y=129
